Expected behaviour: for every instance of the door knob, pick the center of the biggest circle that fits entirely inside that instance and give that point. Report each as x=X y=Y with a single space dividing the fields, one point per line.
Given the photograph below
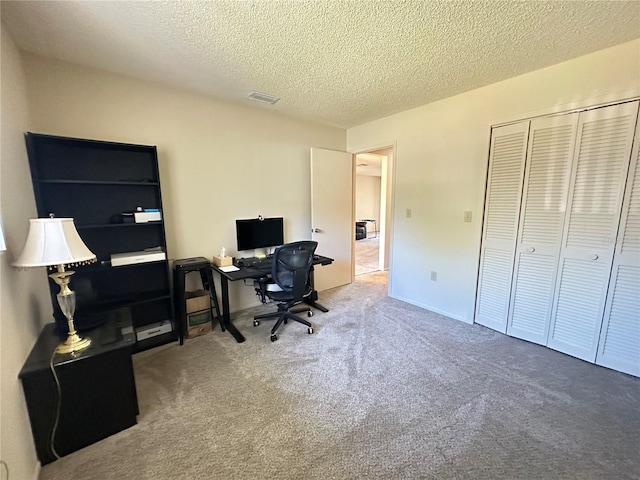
x=531 y=250
x=316 y=230
x=593 y=257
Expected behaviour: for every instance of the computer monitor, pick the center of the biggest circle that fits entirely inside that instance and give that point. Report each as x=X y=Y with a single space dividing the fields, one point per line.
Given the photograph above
x=259 y=233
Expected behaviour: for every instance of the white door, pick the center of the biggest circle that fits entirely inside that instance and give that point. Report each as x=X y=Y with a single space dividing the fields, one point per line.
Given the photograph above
x=332 y=221
x=544 y=203
x=619 y=346
x=600 y=166
x=499 y=232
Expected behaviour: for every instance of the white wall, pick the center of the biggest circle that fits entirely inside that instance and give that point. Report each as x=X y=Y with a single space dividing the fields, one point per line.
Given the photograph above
x=368 y=199
x=24 y=295
x=218 y=161
x=441 y=161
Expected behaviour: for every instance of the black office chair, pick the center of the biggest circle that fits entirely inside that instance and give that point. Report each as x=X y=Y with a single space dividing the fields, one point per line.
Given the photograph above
x=290 y=268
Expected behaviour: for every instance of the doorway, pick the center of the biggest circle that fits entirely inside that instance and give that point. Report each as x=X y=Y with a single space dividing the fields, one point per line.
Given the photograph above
x=372 y=210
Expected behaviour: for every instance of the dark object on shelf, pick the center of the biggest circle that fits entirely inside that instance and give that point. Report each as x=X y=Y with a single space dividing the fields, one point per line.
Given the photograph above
x=97 y=394
x=361 y=230
x=125 y=217
x=91 y=181
x=291 y=272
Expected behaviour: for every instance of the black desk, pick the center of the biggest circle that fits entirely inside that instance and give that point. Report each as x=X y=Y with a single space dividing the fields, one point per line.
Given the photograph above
x=97 y=395
x=249 y=272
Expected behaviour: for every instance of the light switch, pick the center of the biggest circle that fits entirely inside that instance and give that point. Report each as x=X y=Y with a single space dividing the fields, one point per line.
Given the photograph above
x=467 y=216
x=408 y=213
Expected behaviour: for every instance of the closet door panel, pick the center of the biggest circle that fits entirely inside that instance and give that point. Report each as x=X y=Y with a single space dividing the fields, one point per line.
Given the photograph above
x=502 y=209
x=599 y=172
x=619 y=345
x=546 y=184
x=579 y=306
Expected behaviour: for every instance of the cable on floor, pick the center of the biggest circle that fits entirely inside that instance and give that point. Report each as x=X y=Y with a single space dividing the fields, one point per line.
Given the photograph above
x=6 y=468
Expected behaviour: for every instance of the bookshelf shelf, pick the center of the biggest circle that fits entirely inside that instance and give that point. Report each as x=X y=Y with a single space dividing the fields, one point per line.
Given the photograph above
x=94 y=182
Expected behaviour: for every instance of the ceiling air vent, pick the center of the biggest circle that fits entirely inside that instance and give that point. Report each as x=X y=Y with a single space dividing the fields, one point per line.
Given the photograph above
x=263 y=97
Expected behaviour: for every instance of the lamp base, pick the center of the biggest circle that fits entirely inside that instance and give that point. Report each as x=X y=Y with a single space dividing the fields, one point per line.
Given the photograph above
x=73 y=343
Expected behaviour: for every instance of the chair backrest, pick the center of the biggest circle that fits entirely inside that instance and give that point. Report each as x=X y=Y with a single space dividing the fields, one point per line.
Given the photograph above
x=291 y=265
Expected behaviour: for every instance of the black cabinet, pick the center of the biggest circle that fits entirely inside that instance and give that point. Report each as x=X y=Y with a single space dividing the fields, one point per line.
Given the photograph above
x=93 y=393
x=100 y=184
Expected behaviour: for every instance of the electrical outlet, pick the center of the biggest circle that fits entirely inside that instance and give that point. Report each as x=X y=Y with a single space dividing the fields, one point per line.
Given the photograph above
x=408 y=213
x=434 y=276
x=467 y=216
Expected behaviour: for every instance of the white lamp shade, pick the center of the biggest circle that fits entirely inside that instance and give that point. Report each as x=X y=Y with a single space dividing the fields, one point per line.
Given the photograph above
x=53 y=241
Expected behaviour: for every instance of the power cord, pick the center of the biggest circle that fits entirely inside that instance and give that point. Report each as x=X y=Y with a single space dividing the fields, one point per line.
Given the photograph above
x=6 y=468
x=56 y=417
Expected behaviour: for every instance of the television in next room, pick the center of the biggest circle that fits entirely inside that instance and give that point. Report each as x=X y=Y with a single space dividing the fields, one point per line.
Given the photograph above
x=259 y=233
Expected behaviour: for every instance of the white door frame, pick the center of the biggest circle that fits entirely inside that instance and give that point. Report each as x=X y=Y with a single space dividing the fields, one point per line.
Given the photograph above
x=386 y=246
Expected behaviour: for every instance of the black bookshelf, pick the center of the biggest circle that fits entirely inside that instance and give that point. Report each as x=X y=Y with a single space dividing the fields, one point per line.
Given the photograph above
x=95 y=182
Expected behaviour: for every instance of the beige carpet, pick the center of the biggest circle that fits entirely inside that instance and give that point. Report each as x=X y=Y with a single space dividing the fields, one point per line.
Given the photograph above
x=382 y=390
x=366 y=253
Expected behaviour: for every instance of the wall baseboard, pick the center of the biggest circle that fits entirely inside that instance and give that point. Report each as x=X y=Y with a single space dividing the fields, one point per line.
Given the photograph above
x=434 y=310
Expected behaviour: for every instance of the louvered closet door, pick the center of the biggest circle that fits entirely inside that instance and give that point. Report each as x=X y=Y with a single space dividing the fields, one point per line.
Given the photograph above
x=502 y=208
x=546 y=184
x=619 y=346
x=600 y=167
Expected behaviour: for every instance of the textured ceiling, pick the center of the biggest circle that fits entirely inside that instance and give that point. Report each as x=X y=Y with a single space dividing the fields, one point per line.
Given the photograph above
x=337 y=62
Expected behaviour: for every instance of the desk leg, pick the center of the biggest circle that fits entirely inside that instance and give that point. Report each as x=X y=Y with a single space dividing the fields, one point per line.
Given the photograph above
x=311 y=299
x=226 y=317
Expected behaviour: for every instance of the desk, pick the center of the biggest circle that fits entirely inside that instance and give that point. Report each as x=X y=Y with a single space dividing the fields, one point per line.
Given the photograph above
x=249 y=272
x=97 y=394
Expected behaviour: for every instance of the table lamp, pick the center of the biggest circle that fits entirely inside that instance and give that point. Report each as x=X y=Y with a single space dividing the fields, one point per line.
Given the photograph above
x=55 y=242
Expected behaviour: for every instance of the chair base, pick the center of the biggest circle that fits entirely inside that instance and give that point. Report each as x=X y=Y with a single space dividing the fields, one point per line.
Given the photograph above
x=283 y=314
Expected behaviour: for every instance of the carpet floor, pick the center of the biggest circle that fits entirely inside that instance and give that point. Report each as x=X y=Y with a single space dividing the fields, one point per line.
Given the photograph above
x=381 y=390
x=366 y=254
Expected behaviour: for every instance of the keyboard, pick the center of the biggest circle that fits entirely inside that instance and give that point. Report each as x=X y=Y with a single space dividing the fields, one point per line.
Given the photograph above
x=257 y=263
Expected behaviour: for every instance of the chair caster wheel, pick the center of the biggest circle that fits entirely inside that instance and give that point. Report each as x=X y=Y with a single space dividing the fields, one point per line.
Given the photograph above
x=256 y=323
x=309 y=313
x=310 y=330
x=274 y=338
